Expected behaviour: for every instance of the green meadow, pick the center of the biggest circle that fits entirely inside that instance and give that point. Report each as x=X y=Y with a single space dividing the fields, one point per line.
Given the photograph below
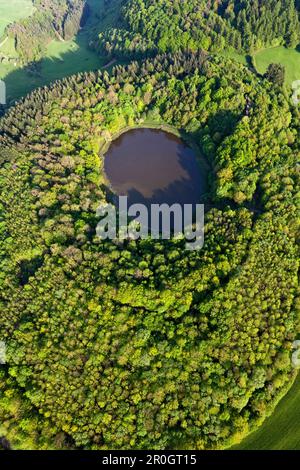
x=242 y=58
x=12 y=10
x=62 y=59
x=290 y=58
x=281 y=431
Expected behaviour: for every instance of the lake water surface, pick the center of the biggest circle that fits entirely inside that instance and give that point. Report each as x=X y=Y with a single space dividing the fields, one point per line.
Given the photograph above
x=152 y=166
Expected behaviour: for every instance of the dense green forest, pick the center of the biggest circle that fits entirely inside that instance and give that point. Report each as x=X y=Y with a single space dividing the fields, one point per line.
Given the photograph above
x=61 y=38
x=150 y=26
x=52 y=19
x=143 y=344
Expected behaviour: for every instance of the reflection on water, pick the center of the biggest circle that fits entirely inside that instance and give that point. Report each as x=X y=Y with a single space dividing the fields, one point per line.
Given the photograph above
x=152 y=166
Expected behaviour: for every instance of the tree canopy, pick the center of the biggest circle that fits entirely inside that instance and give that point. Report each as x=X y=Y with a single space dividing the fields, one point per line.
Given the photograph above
x=143 y=344
x=145 y=27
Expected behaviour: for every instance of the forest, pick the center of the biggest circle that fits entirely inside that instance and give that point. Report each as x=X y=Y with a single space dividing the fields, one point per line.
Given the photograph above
x=52 y=19
x=127 y=29
x=142 y=344
x=147 y=27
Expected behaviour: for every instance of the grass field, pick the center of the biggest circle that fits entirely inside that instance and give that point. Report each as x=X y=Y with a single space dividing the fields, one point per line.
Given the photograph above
x=69 y=57
x=236 y=56
x=12 y=10
x=63 y=58
x=8 y=48
x=290 y=58
x=281 y=431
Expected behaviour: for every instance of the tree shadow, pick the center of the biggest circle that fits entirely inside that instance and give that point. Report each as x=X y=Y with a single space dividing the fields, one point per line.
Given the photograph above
x=65 y=58
x=170 y=175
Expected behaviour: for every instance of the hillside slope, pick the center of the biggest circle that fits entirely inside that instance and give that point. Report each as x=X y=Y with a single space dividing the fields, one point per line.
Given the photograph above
x=52 y=19
x=150 y=26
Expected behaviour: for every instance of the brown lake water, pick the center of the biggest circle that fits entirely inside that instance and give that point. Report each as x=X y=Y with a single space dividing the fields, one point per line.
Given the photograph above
x=151 y=166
